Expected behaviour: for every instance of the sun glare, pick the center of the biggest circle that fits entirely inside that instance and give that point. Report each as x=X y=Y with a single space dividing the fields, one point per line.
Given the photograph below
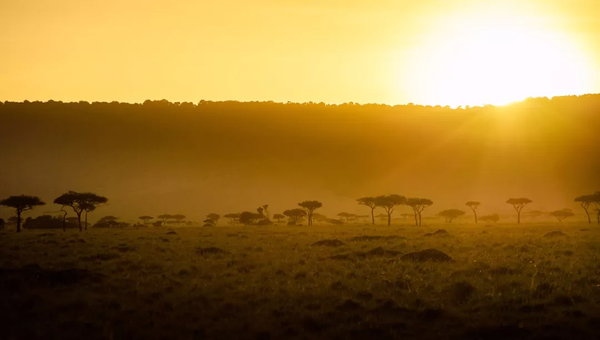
x=496 y=59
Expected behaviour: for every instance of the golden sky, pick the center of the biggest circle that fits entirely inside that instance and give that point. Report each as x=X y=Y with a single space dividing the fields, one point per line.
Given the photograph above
x=460 y=52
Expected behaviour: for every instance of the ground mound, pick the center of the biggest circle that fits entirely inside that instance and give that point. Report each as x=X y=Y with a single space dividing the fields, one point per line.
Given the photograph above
x=372 y=238
x=433 y=255
x=210 y=250
x=440 y=232
x=172 y=232
x=379 y=251
x=360 y=255
x=329 y=243
x=554 y=234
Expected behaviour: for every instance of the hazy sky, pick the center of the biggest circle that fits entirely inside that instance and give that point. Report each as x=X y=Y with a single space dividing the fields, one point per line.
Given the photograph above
x=429 y=52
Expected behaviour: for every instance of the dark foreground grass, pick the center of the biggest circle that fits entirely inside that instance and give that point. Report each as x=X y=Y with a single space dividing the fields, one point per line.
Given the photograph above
x=504 y=282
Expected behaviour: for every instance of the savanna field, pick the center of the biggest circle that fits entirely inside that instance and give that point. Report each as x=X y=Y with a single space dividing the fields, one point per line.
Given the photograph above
x=501 y=281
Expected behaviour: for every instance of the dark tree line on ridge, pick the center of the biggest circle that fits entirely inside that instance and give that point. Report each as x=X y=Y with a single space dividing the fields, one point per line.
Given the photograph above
x=88 y=202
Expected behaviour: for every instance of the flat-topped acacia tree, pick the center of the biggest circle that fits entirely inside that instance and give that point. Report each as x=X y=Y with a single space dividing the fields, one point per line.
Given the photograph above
x=278 y=217
x=389 y=203
x=473 y=205
x=418 y=205
x=80 y=202
x=214 y=217
x=295 y=215
x=20 y=204
x=146 y=219
x=164 y=218
x=518 y=204
x=310 y=207
x=451 y=214
x=562 y=214
x=370 y=202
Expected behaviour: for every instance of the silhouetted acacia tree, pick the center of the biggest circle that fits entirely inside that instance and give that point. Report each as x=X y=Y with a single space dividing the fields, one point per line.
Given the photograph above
x=214 y=218
x=278 y=217
x=518 y=204
x=146 y=219
x=265 y=211
x=178 y=218
x=370 y=202
x=80 y=202
x=344 y=216
x=418 y=205
x=295 y=215
x=586 y=201
x=310 y=207
x=562 y=214
x=451 y=214
x=250 y=218
x=20 y=204
x=473 y=205
x=388 y=203
x=233 y=218
x=164 y=218
x=107 y=222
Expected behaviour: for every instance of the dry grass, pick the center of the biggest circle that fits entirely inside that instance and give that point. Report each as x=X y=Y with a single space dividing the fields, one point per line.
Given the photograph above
x=506 y=281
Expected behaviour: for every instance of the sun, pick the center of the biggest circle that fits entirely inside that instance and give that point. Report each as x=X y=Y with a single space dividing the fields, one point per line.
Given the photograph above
x=495 y=58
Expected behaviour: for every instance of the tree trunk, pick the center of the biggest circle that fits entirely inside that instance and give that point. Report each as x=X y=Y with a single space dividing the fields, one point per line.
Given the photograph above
x=416 y=219
x=64 y=220
x=373 y=215
x=587 y=213
x=389 y=219
x=86 y=219
x=518 y=216
x=79 y=220
x=420 y=219
x=18 y=221
x=475 y=212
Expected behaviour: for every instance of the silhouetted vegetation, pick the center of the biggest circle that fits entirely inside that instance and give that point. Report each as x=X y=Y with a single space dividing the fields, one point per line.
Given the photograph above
x=494 y=218
x=295 y=215
x=80 y=202
x=20 y=204
x=451 y=214
x=474 y=205
x=418 y=205
x=562 y=214
x=370 y=202
x=518 y=204
x=310 y=207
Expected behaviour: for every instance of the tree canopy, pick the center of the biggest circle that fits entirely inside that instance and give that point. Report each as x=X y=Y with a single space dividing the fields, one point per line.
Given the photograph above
x=310 y=207
x=473 y=205
x=451 y=214
x=418 y=205
x=80 y=202
x=370 y=202
x=562 y=214
x=518 y=204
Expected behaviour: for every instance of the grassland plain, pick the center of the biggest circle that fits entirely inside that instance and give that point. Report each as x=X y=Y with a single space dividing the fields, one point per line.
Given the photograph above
x=506 y=282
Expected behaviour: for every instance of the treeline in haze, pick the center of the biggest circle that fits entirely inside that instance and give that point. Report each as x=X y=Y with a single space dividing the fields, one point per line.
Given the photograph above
x=228 y=156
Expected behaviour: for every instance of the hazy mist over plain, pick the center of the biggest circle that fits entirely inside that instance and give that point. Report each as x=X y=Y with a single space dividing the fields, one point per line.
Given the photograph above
x=230 y=156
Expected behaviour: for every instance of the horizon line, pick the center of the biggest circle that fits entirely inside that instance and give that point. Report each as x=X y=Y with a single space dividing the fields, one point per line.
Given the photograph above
x=349 y=103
